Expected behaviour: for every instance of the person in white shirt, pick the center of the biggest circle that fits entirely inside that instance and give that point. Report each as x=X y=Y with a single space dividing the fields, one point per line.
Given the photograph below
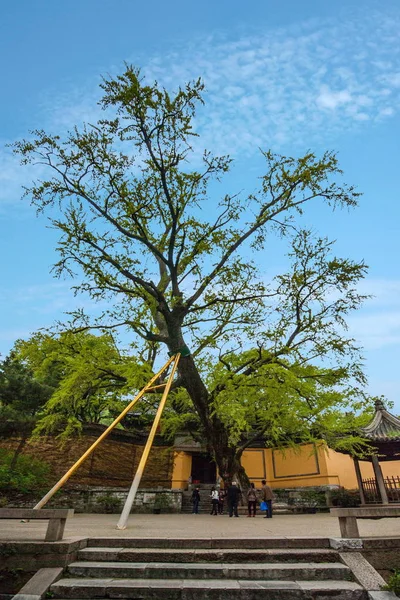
x=214 y=500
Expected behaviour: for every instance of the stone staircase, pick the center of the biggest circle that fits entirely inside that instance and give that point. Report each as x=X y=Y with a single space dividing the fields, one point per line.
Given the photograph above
x=208 y=569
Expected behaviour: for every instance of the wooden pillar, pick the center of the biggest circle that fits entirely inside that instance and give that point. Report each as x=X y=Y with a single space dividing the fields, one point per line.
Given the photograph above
x=359 y=479
x=379 y=479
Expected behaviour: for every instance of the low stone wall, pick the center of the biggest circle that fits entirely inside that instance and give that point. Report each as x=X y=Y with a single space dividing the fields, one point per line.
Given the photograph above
x=383 y=554
x=19 y=561
x=106 y=500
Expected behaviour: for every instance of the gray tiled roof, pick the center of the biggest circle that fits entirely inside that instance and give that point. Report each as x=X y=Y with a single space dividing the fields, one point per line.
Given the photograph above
x=384 y=426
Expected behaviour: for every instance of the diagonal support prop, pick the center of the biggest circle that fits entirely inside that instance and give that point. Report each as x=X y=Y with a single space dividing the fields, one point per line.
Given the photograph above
x=105 y=433
x=135 y=484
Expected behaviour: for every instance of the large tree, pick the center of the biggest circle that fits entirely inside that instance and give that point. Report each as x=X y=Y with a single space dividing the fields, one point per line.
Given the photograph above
x=139 y=226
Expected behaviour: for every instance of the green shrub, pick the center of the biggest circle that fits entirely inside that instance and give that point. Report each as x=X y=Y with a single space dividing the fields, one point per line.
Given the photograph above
x=163 y=502
x=28 y=475
x=313 y=498
x=108 y=503
x=345 y=498
x=307 y=500
x=393 y=584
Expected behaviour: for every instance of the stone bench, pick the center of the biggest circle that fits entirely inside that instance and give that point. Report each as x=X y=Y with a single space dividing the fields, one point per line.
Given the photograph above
x=348 y=517
x=56 y=517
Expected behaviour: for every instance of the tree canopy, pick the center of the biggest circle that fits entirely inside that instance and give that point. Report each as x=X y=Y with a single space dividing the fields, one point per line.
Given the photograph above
x=140 y=228
x=22 y=398
x=93 y=379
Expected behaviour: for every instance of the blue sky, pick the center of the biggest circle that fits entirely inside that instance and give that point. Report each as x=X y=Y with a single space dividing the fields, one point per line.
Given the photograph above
x=286 y=75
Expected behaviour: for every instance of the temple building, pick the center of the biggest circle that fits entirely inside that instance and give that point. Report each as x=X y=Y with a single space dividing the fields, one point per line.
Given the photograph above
x=377 y=478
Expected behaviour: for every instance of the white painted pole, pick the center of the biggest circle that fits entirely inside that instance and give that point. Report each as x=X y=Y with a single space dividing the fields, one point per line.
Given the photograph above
x=105 y=433
x=135 y=484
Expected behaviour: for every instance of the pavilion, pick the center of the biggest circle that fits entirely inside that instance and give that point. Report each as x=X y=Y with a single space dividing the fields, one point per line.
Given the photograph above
x=383 y=434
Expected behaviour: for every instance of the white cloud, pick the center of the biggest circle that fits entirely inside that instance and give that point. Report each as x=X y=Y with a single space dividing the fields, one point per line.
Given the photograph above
x=304 y=84
x=51 y=299
x=332 y=100
x=282 y=86
x=377 y=324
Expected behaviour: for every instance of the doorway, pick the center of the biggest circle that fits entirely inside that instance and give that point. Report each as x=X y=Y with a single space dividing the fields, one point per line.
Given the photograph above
x=204 y=469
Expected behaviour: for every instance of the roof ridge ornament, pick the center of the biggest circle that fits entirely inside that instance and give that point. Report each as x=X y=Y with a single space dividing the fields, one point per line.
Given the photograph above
x=379 y=404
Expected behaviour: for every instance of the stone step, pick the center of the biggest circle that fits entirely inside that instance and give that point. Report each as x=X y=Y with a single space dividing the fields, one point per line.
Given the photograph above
x=253 y=571
x=261 y=542
x=212 y=589
x=188 y=555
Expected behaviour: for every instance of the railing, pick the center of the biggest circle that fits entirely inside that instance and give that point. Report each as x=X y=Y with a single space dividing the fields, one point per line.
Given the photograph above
x=371 y=491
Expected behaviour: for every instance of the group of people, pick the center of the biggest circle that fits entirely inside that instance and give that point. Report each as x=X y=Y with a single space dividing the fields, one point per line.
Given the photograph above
x=233 y=496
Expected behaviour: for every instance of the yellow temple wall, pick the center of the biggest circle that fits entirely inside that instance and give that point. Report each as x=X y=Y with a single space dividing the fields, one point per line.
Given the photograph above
x=306 y=466
x=303 y=466
x=341 y=466
x=181 y=470
x=389 y=469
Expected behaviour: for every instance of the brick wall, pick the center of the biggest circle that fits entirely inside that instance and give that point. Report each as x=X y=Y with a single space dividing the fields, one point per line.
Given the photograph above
x=112 y=464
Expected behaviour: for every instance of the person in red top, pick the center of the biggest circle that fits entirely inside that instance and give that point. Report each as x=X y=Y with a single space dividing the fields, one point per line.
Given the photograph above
x=251 y=501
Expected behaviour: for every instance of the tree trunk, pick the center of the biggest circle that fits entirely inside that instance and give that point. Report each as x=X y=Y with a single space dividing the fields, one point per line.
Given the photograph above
x=18 y=451
x=217 y=437
x=226 y=457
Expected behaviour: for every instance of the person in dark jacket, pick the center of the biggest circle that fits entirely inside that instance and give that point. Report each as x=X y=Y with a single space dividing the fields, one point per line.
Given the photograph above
x=196 y=500
x=221 y=499
x=233 y=497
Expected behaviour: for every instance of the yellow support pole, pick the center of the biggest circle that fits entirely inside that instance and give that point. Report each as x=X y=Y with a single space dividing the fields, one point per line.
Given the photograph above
x=135 y=484
x=105 y=433
x=156 y=387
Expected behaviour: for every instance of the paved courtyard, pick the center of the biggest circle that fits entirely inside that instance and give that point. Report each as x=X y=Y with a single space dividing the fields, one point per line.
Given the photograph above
x=198 y=526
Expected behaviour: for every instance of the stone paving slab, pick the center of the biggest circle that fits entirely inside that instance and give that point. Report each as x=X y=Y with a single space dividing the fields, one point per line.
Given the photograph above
x=186 y=555
x=203 y=590
x=199 y=543
x=281 y=571
x=189 y=526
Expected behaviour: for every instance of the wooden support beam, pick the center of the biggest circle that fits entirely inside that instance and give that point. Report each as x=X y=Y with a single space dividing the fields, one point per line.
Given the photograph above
x=379 y=479
x=105 y=433
x=135 y=484
x=359 y=479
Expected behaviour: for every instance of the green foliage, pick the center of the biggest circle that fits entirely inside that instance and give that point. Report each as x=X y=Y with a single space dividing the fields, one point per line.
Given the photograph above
x=289 y=403
x=345 y=498
x=179 y=415
x=393 y=584
x=29 y=474
x=163 y=502
x=22 y=397
x=94 y=378
x=313 y=498
x=108 y=503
